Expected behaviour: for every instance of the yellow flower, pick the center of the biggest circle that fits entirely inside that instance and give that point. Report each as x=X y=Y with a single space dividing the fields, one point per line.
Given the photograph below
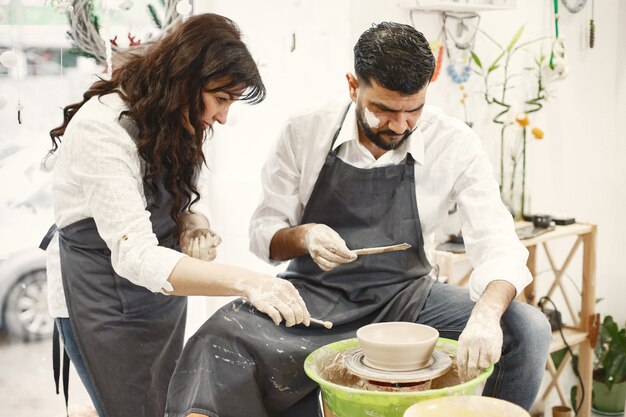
x=522 y=119
x=537 y=133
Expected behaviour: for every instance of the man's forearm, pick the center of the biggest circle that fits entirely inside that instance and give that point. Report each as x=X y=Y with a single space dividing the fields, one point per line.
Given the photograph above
x=497 y=297
x=288 y=243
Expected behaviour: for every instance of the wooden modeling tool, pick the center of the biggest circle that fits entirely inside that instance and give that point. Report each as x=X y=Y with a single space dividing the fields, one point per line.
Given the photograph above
x=327 y=324
x=382 y=249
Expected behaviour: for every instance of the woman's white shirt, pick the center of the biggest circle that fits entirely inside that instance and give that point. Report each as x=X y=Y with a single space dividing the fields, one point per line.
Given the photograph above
x=98 y=174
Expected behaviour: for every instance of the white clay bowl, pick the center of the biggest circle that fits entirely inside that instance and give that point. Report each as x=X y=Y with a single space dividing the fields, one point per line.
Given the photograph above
x=465 y=406
x=397 y=345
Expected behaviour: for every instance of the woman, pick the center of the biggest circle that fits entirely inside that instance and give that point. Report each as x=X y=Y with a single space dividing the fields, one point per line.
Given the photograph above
x=125 y=192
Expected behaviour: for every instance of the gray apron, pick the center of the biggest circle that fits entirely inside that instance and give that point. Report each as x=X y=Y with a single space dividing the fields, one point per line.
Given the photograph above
x=129 y=337
x=240 y=364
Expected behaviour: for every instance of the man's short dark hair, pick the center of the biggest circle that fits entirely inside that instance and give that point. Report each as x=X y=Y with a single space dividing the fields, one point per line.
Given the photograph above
x=396 y=56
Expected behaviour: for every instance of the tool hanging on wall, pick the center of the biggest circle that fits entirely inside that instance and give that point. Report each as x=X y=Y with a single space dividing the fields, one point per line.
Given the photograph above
x=592 y=27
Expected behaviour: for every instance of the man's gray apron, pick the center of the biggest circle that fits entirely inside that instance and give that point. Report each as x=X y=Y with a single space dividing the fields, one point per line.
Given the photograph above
x=129 y=337
x=240 y=364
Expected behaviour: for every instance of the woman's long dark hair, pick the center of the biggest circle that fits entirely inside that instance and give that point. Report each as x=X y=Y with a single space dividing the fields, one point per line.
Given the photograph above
x=166 y=79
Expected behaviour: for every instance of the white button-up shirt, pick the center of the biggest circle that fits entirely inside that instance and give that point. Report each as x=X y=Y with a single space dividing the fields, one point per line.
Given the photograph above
x=450 y=166
x=99 y=174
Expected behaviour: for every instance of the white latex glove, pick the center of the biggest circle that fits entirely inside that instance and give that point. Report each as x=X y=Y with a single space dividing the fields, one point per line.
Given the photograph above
x=480 y=344
x=200 y=243
x=327 y=248
x=279 y=299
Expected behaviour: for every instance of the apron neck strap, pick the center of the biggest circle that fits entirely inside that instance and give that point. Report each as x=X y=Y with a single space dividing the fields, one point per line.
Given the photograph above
x=343 y=118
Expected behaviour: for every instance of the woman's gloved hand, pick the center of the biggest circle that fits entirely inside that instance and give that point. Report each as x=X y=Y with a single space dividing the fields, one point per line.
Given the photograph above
x=200 y=243
x=327 y=248
x=480 y=344
x=279 y=299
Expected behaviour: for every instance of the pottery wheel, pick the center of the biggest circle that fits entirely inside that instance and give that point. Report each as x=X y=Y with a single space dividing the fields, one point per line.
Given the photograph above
x=438 y=365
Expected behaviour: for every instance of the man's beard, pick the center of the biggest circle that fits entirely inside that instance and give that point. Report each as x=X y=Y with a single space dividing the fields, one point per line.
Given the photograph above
x=376 y=137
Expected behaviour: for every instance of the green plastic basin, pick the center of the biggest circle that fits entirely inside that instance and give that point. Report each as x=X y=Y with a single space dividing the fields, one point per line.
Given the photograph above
x=346 y=401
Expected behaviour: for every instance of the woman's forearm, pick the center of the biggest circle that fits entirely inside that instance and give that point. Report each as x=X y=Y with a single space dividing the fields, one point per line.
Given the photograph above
x=191 y=276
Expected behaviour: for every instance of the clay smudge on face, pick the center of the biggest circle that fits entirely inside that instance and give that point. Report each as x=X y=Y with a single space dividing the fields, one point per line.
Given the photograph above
x=371 y=118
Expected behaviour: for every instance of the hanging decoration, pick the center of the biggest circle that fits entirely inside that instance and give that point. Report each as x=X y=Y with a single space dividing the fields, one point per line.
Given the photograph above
x=183 y=7
x=463 y=102
x=437 y=46
x=460 y=32
x=463 y=76
x=8 y=58
x=461 y=28
x=592 y=27
x=574 y=6
x=126 y=5
x=87 y=33
x=556 y=34
x=61 y=6
x=132 y=41
x=19 y=109
x=558 y=63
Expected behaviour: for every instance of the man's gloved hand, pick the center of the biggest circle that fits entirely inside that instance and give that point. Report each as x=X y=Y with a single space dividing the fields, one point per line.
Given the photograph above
x=327 y=248
x=480 y=344
x=279 y=299
x=200 y=243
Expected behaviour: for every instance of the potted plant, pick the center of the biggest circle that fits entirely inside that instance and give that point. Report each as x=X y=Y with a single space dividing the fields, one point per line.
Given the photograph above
x=609 y=375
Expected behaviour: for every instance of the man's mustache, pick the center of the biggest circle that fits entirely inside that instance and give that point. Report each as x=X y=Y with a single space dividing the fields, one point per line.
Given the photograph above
x=392 y=133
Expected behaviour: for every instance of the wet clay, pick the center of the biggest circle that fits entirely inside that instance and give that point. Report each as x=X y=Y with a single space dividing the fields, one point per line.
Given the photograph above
x=332 y=369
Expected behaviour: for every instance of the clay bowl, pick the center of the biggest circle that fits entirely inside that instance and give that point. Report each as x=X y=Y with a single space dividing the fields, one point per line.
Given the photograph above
x=397 y=345
x=465 y=406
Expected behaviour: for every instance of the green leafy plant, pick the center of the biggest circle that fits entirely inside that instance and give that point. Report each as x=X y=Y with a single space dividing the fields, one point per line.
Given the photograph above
x=610 y=352
x=499 y=78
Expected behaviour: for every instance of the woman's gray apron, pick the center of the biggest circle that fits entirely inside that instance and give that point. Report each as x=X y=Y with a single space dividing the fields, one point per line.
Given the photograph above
x=240 y=364
x=129 y=337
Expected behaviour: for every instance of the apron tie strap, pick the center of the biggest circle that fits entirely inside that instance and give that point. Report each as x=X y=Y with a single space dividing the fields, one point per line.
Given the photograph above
x=56 y=367
x=47 y=238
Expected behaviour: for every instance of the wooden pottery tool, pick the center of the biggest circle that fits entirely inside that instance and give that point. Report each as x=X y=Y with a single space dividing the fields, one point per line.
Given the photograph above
x=327 y=324
x=381 y=249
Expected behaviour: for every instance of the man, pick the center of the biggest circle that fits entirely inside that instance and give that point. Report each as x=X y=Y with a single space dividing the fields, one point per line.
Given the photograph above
x=375 y=171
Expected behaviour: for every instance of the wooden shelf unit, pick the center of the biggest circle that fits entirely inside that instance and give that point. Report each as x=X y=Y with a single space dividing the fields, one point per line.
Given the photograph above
x=582 y=334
